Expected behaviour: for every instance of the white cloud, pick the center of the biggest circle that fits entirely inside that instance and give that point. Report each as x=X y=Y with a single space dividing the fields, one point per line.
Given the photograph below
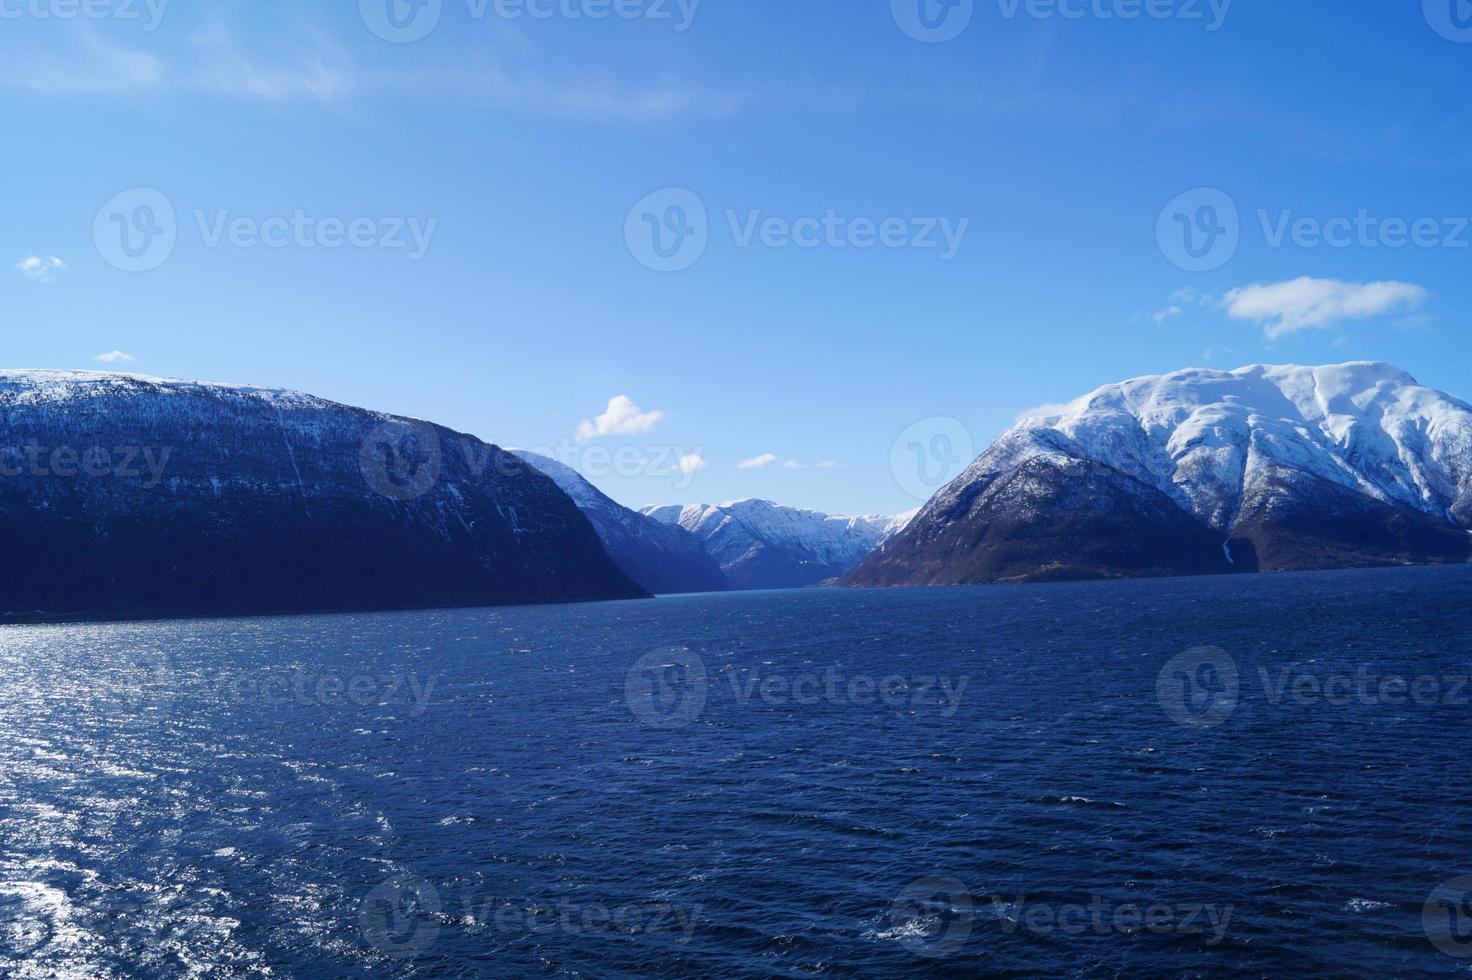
x=691 y=464
x=40 y=268
x=1191 y=297
x=1049 y=411
x=793 y=464
x=1309 y=304
x=757 y=462
x=829 y=464
x=621 y=417
x=1162 y=315
x=115 y=357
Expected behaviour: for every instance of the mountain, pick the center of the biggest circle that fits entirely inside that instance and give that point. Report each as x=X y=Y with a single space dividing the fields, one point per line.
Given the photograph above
x=1200 y=472
x=763 y=545
x=661 y=558
x=123 y=496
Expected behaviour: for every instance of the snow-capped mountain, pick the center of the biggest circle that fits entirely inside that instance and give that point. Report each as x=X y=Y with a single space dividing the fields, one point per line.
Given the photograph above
x=662 y=558
x=763 y=545
x=1265 y=467
x=125 y=496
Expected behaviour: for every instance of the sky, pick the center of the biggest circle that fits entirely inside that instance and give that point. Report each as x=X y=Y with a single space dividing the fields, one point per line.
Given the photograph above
x=822 y=253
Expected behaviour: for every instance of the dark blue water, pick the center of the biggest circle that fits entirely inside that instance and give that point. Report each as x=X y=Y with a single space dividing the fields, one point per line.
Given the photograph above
x=1011 y=781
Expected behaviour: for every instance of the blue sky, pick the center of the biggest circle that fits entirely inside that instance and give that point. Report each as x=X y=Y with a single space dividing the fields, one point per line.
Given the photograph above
x=497 y=174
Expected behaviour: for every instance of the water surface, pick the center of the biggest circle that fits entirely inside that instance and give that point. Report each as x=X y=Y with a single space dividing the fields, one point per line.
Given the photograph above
x=951 y=782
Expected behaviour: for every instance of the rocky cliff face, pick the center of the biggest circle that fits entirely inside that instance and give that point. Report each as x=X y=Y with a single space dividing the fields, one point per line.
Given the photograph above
x=124 y=496
x=1197 y=472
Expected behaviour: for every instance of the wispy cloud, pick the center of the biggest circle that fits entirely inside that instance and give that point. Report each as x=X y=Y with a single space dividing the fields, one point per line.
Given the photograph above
x=757 y=462
x=793 y=464
x=311 y=65
x=314 y=73
x=1170 y=311
x=621 y=417
x=1305 y=303
x=691 y=464
x=115 y=357
x=212 y=62
x=1050 y=410
x=88 y=66
x=38 y=268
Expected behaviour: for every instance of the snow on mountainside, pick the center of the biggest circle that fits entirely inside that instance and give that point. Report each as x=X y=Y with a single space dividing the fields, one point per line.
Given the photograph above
x=127 y=496
x=663 y=558
x=1285 y=466
x=1205 y=437
x=761 y=544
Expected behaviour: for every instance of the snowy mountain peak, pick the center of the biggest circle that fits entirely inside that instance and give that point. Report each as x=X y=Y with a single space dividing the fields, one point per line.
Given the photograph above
x=1197 y=472
x=1206 y=437
x=26 y=386
x=761 y=544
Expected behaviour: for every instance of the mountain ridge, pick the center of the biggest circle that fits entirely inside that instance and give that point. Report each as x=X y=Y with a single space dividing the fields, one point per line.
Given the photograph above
x=267 y=501
x=1289 y=467
x=761 y=544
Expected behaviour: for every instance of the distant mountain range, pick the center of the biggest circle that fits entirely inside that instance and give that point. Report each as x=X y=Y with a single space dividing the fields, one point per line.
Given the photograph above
x=1205 y=472
x=662 y=558
x=123 y=496
x=763 y=545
